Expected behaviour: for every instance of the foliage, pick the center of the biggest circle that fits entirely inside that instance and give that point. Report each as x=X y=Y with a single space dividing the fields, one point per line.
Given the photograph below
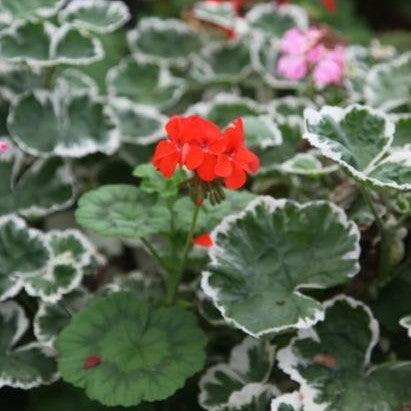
x=185 y=226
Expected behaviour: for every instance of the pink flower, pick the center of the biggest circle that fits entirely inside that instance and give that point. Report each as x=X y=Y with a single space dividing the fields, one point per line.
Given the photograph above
x=316 y=54
x=4 y=146
x=330 y=70
x=292 y=67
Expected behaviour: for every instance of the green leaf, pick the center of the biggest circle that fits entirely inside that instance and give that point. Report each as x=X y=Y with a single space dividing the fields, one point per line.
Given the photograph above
x=146 y=354
x=358 y=139
x=122 y=211
x=225 y=108
x=272 y=20
x=306 y=164
x=406 y=323
x=23 y=252
x=266 y=254
x=46 y=186
x=26 y=9
x=135 y=123
x=51 y=319
x=74 y=81
x=388 y=85
x=153 y=182
x=65 y=397
x=253 y=397
x=144 y=83
x=250 y=363
x=167 y=41
x=261 y=131
x=25 y=366
x=223 y=63
x=71 y=253
x=210 y=215
x=55 y=123
x=95 y=15
x=290 y=107
x=217 y=14
x=402 y=134
x=40 y=45
x=331 y=362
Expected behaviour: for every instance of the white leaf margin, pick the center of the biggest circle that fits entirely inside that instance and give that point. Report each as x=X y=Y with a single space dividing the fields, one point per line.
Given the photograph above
x=406 y=323
x=117 y=7
x=208 y=12
x=292 y=102
x=44 y=12
x=297 y=13
x=165 y=79
x=55 y=35
x=373 y=78
x=7 y=309
x=33 y=234
x=59 y=98
x=292 y=399
x=338 y=114
x=236 y=367
x=288 y=361
x=120 y=103
x=289 y=168
x=160 y=25
x=90 y=251
x=272 y=205
x=277 y=137
x=207 y=72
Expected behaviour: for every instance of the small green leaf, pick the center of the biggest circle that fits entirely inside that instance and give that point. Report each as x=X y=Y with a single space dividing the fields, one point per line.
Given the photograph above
x=95 y=15
x=122 y=211
x=219 y=14
x=273 y=20
x=144 y=83
x=65 y=125
x=27 y=9
x=46 y=186
x=40 y=45
x=331 y=362
x=266 y=254
x=136 y=124
x=23 y=252
x=223 y=63
x=402 y=134
x=153 y=182
x=51 y=319
x=25 y=366
x=358 y=138
x=146 y=354
x=250 y=363
x=388 y=85
x=168 y=41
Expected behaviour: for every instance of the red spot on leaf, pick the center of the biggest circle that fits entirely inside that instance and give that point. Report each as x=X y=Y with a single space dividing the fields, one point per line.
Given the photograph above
x=91 y=362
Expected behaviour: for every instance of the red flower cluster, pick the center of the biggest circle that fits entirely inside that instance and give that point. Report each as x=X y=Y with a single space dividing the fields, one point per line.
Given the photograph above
x=202 y=147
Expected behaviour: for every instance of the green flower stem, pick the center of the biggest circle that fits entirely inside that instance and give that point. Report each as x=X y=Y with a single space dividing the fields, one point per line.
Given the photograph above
x=176 y=277
x=384 y=254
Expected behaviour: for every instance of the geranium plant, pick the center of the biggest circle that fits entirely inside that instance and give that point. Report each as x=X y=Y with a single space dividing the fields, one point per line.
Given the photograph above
x=208 y=212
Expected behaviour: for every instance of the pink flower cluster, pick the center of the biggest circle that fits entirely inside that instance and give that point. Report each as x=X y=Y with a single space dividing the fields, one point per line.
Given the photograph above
x=303 y=51
x=3 y=147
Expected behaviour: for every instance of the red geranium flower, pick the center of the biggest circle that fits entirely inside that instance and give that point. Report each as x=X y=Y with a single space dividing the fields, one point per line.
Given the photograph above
x=203 y=240
x=199 y=145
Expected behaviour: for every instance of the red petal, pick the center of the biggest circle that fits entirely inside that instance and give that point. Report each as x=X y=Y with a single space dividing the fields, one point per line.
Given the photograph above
x=237 y=178
x=91 y=362
x=194 y=157
x=223 y=167
x=234 y=133
x=247 y=160
x=203 y=240
x=168 y=165
x=203 y=130
x=206 y=170
x=163 y=149
x=173 y=127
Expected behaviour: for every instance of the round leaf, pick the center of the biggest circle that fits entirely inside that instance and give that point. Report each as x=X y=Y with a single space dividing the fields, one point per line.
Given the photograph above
x=122 y=211
x=146 y=354
x=95 y=15
x=26 y=9
x=266 y=254
x=169 y=41
x=46 y=124
x=331 y=363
